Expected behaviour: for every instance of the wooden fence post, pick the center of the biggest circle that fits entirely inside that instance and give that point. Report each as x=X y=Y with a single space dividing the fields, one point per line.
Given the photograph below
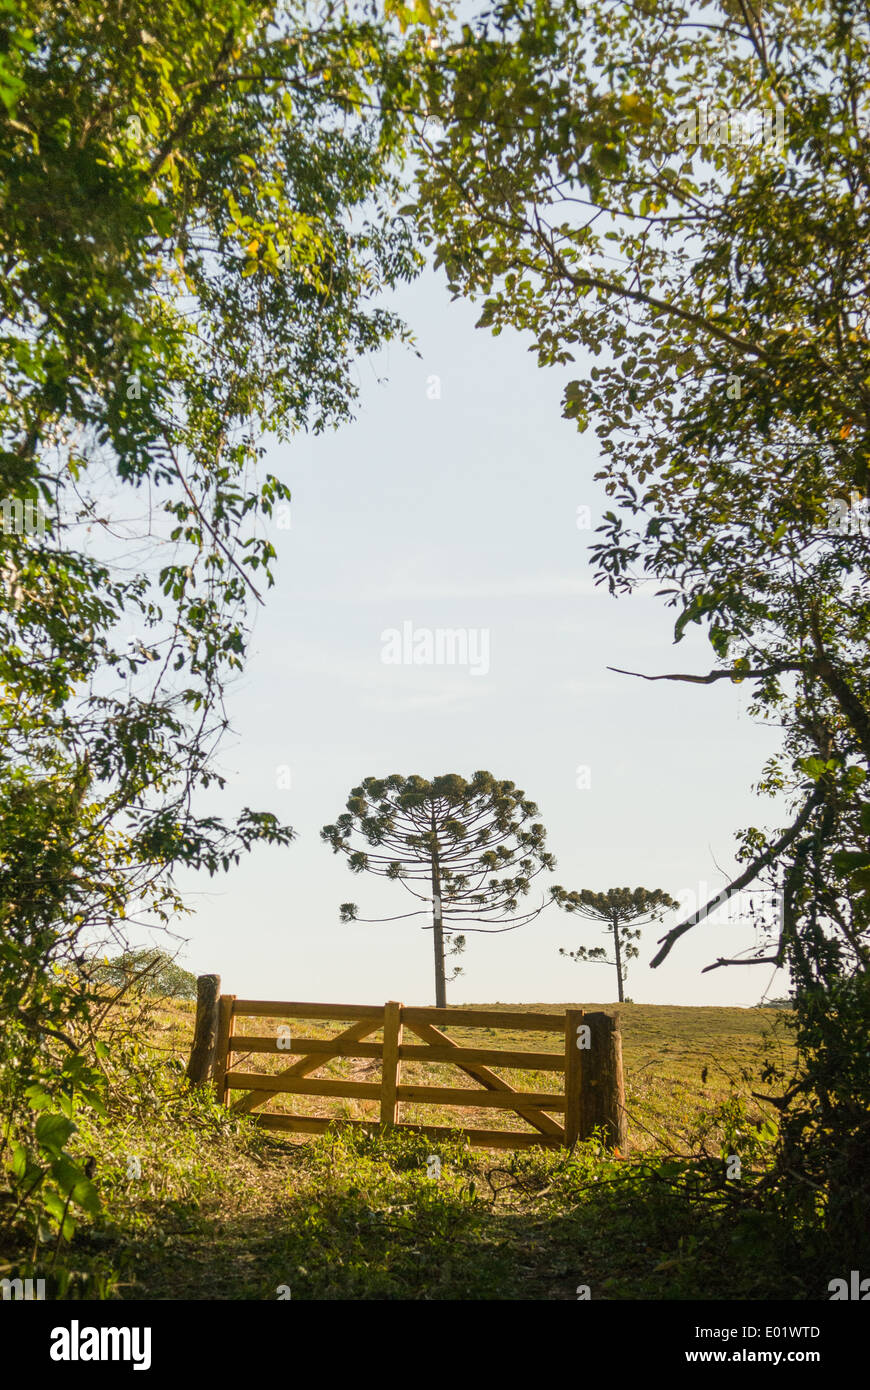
x=201 y=1064
x=391 y=1065
x=603 y=1087
x=226 y=1023
x=573 y=1076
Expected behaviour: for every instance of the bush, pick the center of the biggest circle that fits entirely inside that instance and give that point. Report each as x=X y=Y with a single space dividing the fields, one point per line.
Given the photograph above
x=145 y=971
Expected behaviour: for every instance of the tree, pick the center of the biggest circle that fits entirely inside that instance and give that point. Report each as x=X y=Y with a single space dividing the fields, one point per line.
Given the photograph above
x=622 y=911
x=474 y=844
x=731 y=402
x=145 y=970
x=592 y=184
x=198 y=221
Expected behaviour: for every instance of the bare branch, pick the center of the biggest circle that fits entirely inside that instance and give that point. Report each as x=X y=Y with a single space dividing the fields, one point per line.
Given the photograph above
x=747 y=876
x=756 y=960
x=774 y=670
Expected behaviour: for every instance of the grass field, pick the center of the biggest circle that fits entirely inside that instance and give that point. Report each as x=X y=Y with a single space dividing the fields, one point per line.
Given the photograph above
x=205 y=1205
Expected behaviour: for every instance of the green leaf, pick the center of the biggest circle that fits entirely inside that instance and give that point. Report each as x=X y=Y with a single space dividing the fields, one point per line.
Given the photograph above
x=53 y=1131
x=38 y=1098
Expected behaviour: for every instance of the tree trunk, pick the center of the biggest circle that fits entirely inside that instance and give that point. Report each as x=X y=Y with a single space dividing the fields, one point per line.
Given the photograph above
x=616 y=948
x=438 y=934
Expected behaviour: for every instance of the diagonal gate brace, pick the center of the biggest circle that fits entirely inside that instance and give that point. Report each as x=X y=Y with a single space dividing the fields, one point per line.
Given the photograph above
x=491 y=1081
x=308 y=1064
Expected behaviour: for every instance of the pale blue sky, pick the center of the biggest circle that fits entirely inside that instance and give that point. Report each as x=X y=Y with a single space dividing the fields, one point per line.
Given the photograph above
x=460 y=512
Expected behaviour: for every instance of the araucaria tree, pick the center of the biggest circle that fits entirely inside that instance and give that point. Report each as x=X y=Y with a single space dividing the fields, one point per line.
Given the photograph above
x=622 y=912
x=471 y=849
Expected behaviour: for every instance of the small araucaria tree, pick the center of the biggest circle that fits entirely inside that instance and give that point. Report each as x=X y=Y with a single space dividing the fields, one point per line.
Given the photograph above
x=622 y=912
x=469 y=848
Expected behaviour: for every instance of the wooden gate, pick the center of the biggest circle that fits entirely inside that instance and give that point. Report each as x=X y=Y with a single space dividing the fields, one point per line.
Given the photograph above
x=590 y=1060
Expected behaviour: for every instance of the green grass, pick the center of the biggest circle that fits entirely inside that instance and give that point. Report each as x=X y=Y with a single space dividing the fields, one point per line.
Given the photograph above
x=224 y=1210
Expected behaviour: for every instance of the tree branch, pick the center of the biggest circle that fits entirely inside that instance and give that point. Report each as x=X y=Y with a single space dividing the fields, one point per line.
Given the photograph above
x=747 y=876
x=774 y=670
x=757 y=960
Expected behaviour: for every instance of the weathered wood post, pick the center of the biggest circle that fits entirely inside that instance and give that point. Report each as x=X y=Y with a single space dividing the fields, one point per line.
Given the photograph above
x=390 y=1065
x=603 y=1086
x=573 y=1075
x=205 y=1031
x=226 y=1023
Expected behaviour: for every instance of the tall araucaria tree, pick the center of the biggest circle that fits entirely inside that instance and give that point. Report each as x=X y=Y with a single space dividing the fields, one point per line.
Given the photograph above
x=475 y=846
x=622 y=912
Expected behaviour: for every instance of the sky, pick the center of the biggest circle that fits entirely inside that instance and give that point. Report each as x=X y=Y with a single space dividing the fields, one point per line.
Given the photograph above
x=455 y=500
